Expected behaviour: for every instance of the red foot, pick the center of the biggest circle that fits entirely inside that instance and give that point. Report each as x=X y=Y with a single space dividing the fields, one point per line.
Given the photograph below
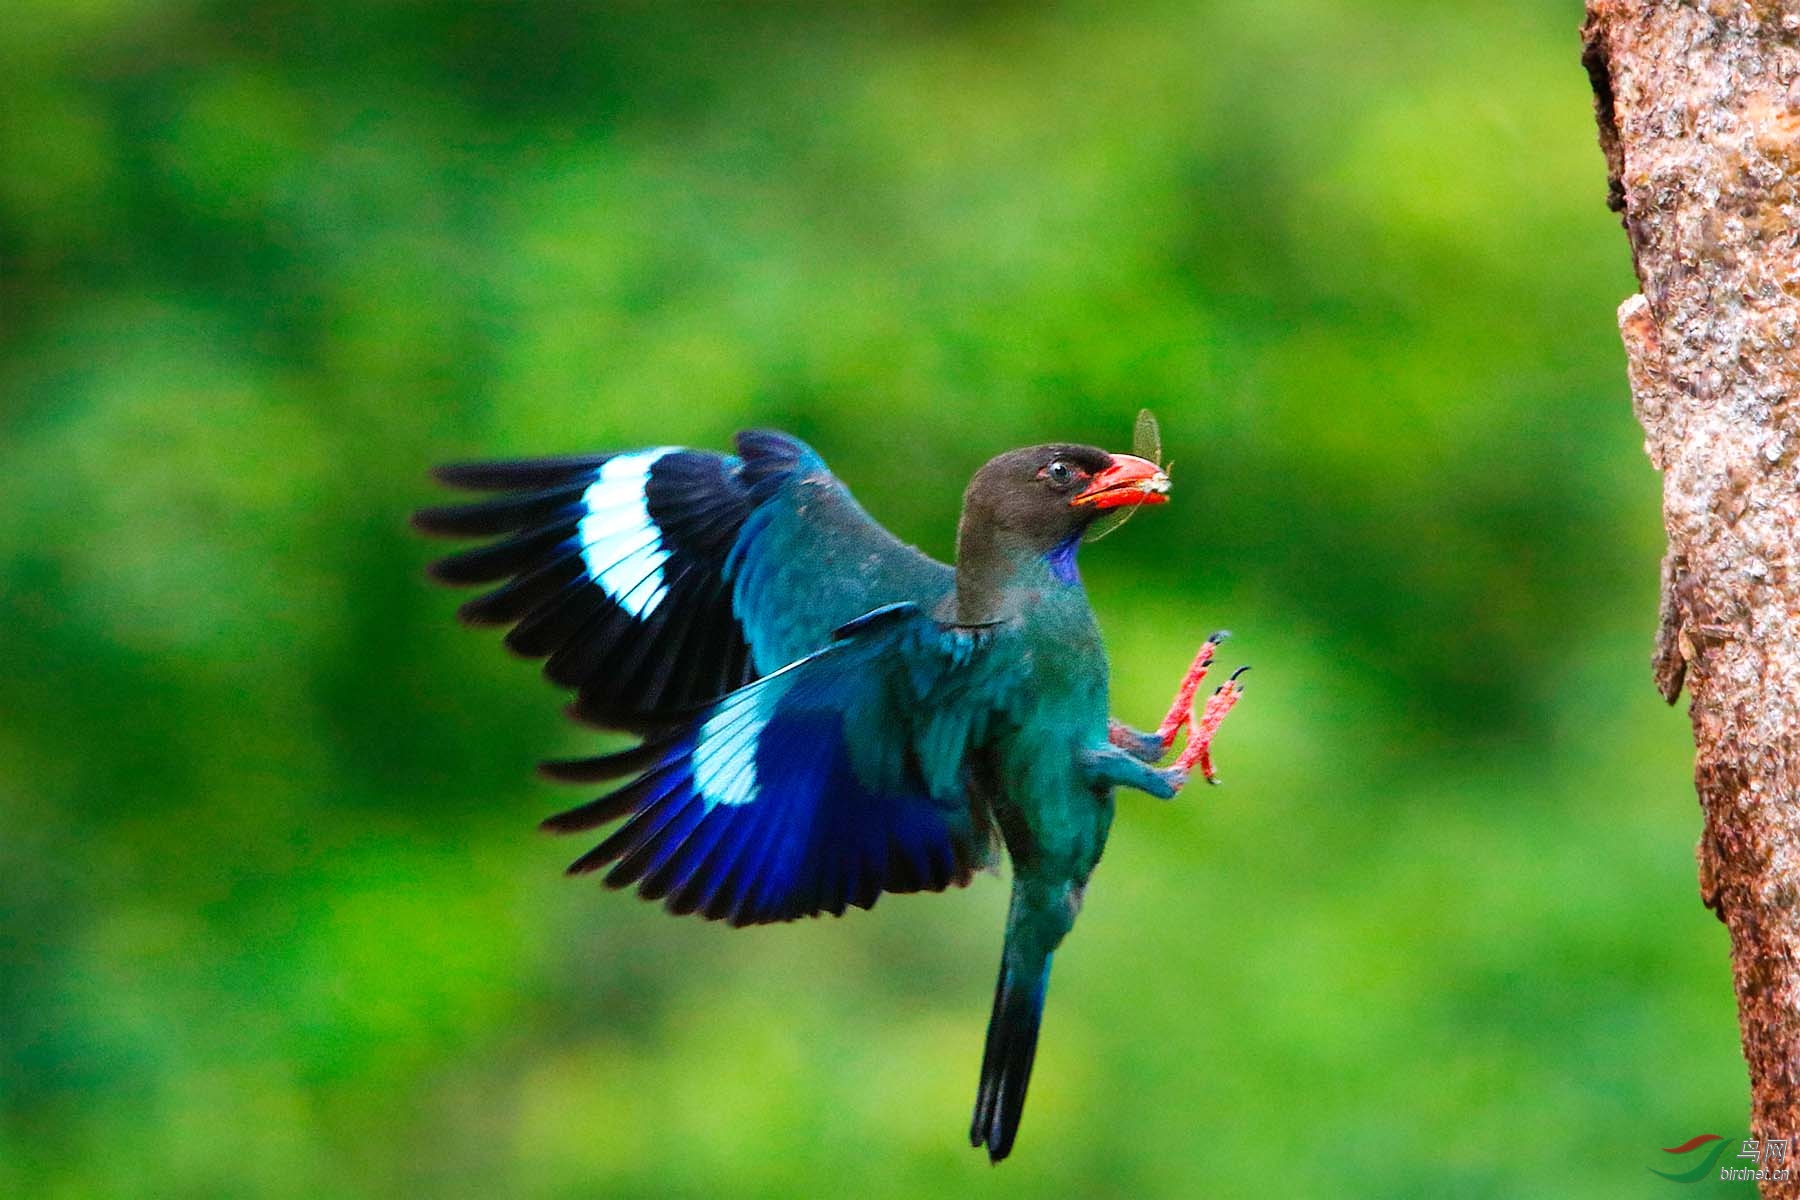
x=1181 y=711
x=1203 y=725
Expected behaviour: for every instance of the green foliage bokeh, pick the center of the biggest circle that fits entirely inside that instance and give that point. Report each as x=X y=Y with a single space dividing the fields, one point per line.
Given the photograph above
x=275 y=919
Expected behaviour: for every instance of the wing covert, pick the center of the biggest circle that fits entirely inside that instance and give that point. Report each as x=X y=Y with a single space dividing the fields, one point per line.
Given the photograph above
x=809 y=558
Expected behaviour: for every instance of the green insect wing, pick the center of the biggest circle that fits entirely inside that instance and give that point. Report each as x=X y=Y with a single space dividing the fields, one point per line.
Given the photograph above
x=1146 y=442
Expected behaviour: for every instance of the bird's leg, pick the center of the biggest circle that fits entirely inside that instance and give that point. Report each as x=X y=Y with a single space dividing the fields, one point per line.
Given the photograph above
x=1204 y=724
x=1120 y=765
x=1181 y=710
x=1126 y=744
x=1111 y=766
x=1145 y=747
x=1155 y=745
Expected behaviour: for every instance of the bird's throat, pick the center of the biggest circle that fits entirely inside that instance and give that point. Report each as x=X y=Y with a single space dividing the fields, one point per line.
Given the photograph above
x=992 y=573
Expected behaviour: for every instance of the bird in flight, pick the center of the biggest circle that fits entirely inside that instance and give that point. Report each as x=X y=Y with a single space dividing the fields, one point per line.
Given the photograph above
x=827 y=713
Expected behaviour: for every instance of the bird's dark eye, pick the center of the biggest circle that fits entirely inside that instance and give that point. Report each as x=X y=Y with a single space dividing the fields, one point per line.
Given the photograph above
x=1060 y=474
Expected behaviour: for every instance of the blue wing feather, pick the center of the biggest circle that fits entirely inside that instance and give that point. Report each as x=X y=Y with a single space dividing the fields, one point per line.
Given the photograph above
x=764 y=807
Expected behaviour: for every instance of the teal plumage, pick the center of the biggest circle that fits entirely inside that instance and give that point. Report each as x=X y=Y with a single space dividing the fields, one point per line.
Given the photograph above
x=828 y=713
x=809 y=560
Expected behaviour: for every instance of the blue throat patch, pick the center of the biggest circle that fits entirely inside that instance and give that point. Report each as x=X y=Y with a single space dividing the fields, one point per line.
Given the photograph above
x=1062 y=559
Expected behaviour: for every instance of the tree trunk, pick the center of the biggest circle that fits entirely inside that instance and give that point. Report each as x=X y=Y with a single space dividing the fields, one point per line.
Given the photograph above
x=1698 y=103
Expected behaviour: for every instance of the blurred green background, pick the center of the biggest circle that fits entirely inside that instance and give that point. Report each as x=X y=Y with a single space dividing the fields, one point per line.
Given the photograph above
x=276 y=921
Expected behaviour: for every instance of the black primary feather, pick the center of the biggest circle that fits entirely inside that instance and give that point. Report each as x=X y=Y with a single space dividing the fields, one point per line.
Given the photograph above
x=611 y=569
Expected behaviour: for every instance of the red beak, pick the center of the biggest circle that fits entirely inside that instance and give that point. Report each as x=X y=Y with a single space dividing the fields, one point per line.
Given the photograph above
x=1130 y=480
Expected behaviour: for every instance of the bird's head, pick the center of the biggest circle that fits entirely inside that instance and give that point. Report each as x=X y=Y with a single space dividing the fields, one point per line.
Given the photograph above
x=1043 y=497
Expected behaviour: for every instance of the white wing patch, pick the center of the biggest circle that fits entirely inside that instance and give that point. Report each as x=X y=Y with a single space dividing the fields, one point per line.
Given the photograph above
x=724 y=758
x=620 y=543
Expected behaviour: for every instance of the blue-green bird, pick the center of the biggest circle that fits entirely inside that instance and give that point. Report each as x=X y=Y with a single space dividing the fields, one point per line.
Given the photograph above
x=829 y=714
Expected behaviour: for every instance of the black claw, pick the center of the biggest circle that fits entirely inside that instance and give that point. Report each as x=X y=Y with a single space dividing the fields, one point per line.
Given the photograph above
x=1218 y=637
x=1239 y=671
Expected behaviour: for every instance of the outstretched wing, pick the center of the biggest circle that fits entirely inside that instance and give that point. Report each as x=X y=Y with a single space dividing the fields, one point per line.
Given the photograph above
x=817 y=787
x=655 y=580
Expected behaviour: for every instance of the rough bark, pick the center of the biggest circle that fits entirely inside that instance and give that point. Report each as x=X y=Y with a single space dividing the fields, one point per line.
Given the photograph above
x=1698 y=104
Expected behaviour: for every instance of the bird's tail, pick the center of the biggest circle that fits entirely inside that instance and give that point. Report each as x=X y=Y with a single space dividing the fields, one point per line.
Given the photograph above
x=1011 y=1039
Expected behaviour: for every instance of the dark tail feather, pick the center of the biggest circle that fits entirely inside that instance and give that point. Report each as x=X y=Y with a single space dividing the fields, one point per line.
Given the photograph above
x=1011 y=1045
